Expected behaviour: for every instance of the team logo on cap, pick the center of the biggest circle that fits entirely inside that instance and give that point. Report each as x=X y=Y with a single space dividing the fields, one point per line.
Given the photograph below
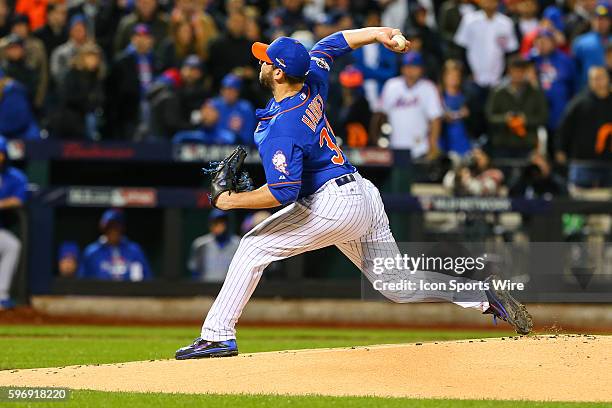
x=281 y=62
x=321 y=63
x=280 y=162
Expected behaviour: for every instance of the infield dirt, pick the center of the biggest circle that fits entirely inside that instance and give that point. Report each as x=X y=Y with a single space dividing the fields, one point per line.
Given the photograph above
x=551 y=367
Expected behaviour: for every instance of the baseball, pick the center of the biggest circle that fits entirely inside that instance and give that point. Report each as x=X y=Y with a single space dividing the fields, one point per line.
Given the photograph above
x=401 y=42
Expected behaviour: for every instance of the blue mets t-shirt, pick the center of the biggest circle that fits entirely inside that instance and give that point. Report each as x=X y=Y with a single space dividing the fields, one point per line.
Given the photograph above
x=123 y=262
x=296 y=143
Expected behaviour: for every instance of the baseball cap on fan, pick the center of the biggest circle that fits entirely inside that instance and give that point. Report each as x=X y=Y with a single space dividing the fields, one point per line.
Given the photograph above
x=141 y=29
x=285 y=53
x=112 y=215
x=413 y=58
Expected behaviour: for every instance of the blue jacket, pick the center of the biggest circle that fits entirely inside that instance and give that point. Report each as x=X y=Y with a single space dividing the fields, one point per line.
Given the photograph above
x=244 y=110
x=125 y=262
x=16 y=118
x=588 y=50
x=557 y=74
x=385 y=69
x=455 y=137
x=13 y=183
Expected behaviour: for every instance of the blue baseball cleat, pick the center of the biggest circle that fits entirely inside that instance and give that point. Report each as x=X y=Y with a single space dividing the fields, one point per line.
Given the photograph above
x=502 y=305
x=201 y=348
x=6 y=304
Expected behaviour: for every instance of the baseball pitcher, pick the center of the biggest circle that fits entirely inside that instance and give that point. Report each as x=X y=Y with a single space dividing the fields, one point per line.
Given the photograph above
x=327 y=201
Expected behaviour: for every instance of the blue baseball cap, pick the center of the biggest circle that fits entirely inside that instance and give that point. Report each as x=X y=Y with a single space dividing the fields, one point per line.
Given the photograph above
x=231 y=81
x=216 y=214
x=285 y=53
x=412 y=58
x=112 y=215
x=555 y=15
x=68 y=249
x=76 y=19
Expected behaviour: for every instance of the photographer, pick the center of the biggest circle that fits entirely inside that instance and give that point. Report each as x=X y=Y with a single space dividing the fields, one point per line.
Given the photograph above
x=538 y=181
x=13 y=193
x=475 y=177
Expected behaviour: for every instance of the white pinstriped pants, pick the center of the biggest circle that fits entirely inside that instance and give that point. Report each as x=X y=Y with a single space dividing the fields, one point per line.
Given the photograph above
x=351 y=217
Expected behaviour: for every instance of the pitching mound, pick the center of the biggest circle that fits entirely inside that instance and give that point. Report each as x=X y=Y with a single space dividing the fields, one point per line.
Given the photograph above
x=562 y=368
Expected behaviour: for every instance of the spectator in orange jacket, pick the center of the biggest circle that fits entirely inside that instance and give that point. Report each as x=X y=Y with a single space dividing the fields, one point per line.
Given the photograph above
x=36 y=10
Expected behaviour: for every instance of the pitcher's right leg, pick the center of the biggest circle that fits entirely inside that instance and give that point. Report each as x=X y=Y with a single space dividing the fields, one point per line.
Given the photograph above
x=327 y=218
x=258 y=248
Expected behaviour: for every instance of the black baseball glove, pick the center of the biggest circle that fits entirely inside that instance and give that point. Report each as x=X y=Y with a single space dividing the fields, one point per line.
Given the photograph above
x=227 y=176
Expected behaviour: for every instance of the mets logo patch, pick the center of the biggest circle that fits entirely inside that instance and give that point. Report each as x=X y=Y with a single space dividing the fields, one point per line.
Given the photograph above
x=280 y=162
x=321 y=63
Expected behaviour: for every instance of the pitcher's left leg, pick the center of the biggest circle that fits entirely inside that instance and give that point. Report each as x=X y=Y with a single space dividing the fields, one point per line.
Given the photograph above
x=378 y=244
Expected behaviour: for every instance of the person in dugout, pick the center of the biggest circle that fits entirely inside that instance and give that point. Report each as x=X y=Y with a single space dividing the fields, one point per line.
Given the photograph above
x=113 y=256
x=13 y=193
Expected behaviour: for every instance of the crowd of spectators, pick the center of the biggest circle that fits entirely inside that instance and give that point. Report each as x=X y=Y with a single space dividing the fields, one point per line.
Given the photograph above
x=484 y=74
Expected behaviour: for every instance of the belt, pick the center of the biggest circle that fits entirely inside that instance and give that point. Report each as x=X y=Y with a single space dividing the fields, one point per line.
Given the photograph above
x=347 y=178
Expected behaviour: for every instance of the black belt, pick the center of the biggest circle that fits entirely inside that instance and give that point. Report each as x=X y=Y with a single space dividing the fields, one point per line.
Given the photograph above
x=347 y=178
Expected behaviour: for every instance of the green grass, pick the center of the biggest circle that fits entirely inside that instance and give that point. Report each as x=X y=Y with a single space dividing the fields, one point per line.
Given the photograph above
x=49 y=346
x=84 y=399
x=52 y=346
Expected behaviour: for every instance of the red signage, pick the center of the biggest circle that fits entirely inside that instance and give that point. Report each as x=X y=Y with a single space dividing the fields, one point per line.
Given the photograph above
x=82 y=151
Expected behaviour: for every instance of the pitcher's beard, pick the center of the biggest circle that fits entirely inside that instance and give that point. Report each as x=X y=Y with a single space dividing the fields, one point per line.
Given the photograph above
x=265 y=81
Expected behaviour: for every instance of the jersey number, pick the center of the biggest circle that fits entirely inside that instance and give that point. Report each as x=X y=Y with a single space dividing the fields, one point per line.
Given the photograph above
x=325 y=137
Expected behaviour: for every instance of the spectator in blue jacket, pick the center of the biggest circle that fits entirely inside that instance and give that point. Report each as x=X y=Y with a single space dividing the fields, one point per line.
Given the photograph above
x=113 y=256
x=455 y=138
x=235 y=114
x=13 y=190
x=16 y=118
x=210 y=130
x=589 y=48
x=556 y=74
x=376 y=63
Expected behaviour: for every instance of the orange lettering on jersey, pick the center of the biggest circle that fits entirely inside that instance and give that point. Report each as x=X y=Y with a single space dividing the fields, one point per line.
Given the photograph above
x=309 y=123
x=312 y=116
x=324 y=137
x=313 y=113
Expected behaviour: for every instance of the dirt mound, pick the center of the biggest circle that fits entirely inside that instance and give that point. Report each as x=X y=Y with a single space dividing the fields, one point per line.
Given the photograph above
x=559 y=367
